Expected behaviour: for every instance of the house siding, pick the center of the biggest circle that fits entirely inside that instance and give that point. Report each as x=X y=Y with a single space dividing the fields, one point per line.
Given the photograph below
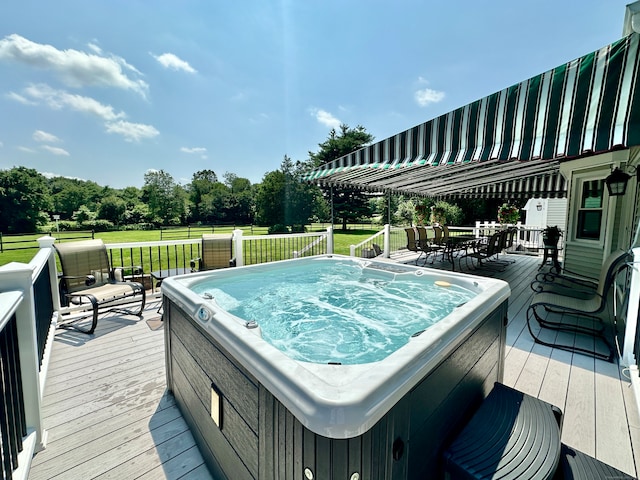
x=583 y=259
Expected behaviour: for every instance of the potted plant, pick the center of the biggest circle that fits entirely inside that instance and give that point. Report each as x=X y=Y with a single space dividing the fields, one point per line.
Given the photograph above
x=551 y=236
x=509 y=214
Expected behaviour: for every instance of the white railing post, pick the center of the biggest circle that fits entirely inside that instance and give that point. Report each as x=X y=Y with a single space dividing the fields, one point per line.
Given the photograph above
x=352 y=250
x=18 y=277
x=387 y=241
x=330 y=239
x=237 y=239
x=47 y=242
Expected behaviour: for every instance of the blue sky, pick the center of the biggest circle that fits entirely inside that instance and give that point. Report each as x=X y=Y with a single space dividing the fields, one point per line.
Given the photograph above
x=107 y=90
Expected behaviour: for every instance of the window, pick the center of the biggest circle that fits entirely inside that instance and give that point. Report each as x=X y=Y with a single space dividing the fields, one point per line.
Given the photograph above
x=590 y=210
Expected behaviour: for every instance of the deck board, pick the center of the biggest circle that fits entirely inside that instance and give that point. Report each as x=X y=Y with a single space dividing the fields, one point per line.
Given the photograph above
x=108 y=414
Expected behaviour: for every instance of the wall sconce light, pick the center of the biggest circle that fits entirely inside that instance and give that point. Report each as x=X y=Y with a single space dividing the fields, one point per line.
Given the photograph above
x=617 y=182
x=539 y=207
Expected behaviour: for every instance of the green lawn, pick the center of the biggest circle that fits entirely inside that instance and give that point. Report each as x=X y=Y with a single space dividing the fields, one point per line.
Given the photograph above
x=342 y=239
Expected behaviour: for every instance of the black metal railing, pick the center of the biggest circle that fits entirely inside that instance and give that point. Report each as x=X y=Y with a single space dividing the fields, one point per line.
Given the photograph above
x=43 y=304
x=182 y=233
x=13 y=425
x=140 y=260
x=30 y=241
x=267 y=248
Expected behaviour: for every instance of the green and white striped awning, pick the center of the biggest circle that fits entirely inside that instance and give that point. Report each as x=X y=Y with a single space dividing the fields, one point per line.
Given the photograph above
x=508 y=144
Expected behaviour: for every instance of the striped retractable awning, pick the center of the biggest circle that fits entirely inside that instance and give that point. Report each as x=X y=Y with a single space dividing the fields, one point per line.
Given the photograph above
x=508 y=144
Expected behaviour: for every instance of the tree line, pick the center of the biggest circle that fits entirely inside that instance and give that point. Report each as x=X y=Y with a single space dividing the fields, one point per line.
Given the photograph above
x=282 y=200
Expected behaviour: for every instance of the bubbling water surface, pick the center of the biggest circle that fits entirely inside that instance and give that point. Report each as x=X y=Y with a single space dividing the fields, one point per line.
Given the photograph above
x=335 y=311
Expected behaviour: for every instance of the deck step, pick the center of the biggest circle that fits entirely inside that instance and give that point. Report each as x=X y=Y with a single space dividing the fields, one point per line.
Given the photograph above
x=511 y=436
x=580 y=466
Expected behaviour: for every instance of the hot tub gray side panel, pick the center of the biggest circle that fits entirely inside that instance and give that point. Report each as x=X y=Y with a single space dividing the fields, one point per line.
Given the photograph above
x=195 y=364
x=272 y=444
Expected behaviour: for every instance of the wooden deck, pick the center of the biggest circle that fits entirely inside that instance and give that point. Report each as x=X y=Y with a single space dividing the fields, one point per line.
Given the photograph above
x=108 y=414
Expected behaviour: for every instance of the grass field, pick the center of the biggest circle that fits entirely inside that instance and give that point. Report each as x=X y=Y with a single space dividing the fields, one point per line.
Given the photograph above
x=342 y=239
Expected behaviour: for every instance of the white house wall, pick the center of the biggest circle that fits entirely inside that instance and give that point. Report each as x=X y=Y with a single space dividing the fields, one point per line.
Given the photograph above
x=585 y=257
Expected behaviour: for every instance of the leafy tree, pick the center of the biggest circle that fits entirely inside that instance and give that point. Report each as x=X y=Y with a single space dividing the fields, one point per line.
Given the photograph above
x=112 y=208
x=406 y=210
x=130 y=196
x=166 y=199
x=269 y=204
x=138 y=214
x=83 y=215
x=446 y=213
x=282 y=197
x=68 y=194
x=200 y=190
x=348 y=204
x=24 y=199
x=242 y=202
x=220 y=202
x=387 y=207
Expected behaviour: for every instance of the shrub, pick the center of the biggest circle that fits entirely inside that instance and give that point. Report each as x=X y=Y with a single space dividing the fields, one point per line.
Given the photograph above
x=97 y=225
x=278 y=228
x=138 y=226
x=445 y=213
x=67 y=225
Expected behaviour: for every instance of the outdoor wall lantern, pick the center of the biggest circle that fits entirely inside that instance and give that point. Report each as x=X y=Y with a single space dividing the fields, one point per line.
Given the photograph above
x=617 y=182
x=539 y=207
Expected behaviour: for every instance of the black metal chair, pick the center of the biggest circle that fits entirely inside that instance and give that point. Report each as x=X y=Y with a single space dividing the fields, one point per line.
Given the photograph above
x=582 y=305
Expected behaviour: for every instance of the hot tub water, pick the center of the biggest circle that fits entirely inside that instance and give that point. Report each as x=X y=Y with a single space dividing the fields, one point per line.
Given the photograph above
x=336 y=312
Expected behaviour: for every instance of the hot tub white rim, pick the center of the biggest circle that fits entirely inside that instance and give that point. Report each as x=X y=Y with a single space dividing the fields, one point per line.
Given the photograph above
x=359 y=400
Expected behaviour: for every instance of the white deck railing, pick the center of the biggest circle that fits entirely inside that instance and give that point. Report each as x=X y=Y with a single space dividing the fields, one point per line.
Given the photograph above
x=631 y=346
x=29 y=307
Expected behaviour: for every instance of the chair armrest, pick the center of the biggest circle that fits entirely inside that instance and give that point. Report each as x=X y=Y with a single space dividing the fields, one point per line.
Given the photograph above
x=88 y=279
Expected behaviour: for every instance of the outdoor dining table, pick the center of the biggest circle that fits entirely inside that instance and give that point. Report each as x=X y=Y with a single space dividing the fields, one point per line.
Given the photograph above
x=456 y=244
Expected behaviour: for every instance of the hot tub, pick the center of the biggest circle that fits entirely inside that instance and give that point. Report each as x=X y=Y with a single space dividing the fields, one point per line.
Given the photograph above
x=259 y=411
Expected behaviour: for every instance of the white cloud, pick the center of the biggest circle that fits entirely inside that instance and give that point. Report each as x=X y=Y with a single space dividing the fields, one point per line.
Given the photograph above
x=326 y=118
x=57 y=175
x=94 y=48
x=55 y=150
x=132 y=132
x=75 y=68
x=19 y=98
x=59 y=99
x=26 y=149
x=195 y=151
x=40 y=136
x=427 y=96
x=173 y=62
